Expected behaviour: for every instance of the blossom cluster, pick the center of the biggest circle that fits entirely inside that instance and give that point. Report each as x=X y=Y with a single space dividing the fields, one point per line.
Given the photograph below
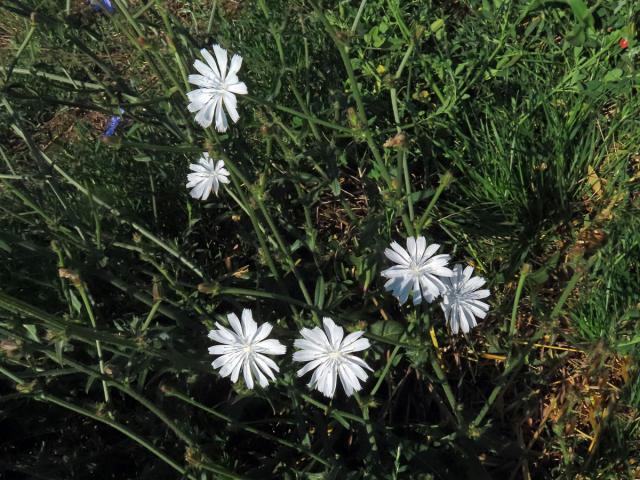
x=327 y=352
x=421 y=274
x=418 y=273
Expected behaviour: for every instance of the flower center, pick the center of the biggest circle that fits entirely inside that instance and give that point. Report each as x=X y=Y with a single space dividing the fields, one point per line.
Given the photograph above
x=335 y=355
x=219 y=86
x=248 y=349
x=415 y=269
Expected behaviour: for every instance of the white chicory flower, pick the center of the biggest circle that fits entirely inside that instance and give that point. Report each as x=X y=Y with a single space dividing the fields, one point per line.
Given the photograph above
x=461 y=299
x=331 y=357
x=418 y=272
x=217 y=87
x=206 y=177
x=245 y=347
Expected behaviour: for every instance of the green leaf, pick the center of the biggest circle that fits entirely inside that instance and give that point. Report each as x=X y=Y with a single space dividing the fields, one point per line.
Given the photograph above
x=75 y=301
x=582 y=12
x=59 y=346
x=5 y=246
x=32 y=332
x=319 y=292
x=388 y=329
x=613 y=75
x=437 y=25
x=577 y=36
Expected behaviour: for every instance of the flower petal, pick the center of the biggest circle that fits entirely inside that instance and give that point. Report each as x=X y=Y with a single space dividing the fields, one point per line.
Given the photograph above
x=213 y=67
x=412 y=248
x=234 y=321
x=221 y=118
x=203 y=68
x=221 y=57
x=205 y=116
x=262 y=332
x=309 y=366
x=222 y=349
x=246 y=372
x=238 y=88
x=334 y=332
x=270 y=347
x=231 y=104
x=236 y=63
x=249 y=326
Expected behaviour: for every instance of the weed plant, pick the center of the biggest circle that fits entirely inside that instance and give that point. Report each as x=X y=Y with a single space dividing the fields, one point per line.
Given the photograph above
x=507 y=131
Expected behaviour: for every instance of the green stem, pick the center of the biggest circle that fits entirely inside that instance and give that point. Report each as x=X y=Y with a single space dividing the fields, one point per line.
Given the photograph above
x=334 y=412
x=359 y=13
x=89 y=335
x=524 y=271
x=249 y=429
x=87 y=305
x=364 y=408
x=145 y=403
x=151 y=315
x=512 y=365
x=445 y=180
x=396 y=117
x=214 y=5
x=311 y=229
x=407 y=185
x=308 y=117
x=243 y=203
x=305 y=109
x=13 y=377
x=581 y=270
x=238 y=176
x=404 y=61
x=384 y=373
x=86 y=335
x=121 y=428
x=362 y=115
x=38 y=154
x=172 y=47
x=24 y=44
x=448 y=392
x=52 y=76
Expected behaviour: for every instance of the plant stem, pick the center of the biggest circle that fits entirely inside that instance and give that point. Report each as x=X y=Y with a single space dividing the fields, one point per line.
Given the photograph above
x=445 y=180
x=362 y=115
x=87 y=305
x=38 y=154
x=448 y=392
x=237 y=174
x=384 y=373
x=328 y=410
x=524 y=271
x=151 y=315
x=24 y=44
x=10 y=375
x=396 y=117
x=121 y=428
x=305 y=116
x=364 y=408
x=354 y=26
x=234 y=423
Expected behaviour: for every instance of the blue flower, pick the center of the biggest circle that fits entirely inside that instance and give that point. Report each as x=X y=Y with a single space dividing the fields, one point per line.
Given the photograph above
x=99 y=5
x=114 y=121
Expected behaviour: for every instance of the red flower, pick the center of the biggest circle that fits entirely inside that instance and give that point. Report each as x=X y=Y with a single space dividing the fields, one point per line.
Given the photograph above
x=624 y=43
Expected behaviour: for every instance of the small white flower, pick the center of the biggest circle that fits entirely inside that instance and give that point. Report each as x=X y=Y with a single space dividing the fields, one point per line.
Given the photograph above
x=332 y=356
x=245 y=347
x=218 y=87
x=206 y=177
x=417 y=271
x=461 y=299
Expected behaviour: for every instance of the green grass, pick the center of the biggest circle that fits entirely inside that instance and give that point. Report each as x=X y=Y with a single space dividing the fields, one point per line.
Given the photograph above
x=520 y=157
